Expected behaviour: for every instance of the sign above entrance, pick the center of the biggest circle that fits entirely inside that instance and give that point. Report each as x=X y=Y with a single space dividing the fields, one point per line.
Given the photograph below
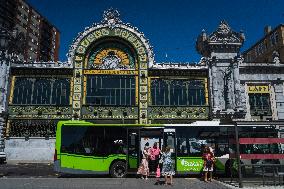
x=258 y=89
x=115 y=72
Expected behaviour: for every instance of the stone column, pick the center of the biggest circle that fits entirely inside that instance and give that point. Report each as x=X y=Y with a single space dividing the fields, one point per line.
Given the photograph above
x=236 y=82
x=5 y=59
x=214 y=86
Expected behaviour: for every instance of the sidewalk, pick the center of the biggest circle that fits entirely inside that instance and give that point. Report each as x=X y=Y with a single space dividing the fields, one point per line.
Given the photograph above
x=14 y=162
x=18 y=169
x=248 y=184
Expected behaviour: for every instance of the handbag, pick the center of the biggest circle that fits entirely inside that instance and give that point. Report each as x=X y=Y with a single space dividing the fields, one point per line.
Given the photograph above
x=158 y=172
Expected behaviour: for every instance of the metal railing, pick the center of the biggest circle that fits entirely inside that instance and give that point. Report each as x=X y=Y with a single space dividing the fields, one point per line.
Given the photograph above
x=258 y=173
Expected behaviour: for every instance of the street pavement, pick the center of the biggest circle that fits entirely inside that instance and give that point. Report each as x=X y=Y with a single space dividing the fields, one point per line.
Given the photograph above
x=103 y=183
x=42 y=176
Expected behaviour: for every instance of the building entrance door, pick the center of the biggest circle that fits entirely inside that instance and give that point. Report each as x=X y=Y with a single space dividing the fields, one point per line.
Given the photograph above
x=151 y=136
x=138 y=137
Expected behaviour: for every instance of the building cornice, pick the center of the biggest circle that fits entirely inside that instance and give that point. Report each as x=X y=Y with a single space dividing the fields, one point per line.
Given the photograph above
x=52 y=65
x=178 y=66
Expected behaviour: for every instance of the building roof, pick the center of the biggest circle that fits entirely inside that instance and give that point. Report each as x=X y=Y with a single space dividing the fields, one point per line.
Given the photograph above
x=264 y=37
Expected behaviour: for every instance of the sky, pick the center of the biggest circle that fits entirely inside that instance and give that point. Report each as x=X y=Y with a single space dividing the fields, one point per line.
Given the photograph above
x=171 y=26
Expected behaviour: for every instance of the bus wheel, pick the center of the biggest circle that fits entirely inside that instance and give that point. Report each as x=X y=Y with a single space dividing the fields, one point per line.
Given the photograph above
x=118 y=169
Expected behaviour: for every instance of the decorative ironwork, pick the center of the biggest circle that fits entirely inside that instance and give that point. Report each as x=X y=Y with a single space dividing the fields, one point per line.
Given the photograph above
x=32 y=128
x=111 y=17
x=39 y=112
x=36 y=109
x=180 y=70
x=193 y=113
x=89 y=112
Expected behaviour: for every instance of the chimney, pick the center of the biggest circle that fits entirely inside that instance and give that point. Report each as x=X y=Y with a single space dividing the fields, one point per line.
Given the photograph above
x=267 y=30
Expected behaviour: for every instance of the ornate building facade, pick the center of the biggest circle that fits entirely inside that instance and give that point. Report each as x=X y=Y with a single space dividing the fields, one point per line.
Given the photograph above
x=111 y=77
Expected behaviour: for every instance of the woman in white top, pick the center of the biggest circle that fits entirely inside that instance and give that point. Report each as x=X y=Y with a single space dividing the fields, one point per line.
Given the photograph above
x=143 y=169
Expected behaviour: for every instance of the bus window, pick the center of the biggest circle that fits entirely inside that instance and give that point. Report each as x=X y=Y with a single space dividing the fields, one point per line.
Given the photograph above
x=71 y=138
x=115 y=140
x=196 y=146
x=192 y=140
x=181 y=147
x=259 y=149
x=83 y=140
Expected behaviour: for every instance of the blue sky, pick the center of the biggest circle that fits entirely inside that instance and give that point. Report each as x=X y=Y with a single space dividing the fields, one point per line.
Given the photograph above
x=171 y=26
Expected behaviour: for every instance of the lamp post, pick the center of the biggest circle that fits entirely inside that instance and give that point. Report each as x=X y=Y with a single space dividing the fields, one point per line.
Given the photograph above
x=231 y=119
x=238 y=155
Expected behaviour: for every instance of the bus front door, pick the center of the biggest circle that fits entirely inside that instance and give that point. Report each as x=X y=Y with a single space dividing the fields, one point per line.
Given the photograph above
x=151 y=136
x=133 y=150
x=170 y=141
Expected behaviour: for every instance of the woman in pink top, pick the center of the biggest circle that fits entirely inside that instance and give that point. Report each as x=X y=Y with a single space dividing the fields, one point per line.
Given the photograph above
x=143 y=169
x=154 y=157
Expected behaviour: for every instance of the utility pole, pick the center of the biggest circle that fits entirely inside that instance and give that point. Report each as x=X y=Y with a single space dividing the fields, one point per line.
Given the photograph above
x=238 y=155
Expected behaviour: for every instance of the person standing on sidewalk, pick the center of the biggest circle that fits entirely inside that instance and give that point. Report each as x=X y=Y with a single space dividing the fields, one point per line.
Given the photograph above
x=143 y=169
x=154 y=157
x=168 y=168
x=208 y=161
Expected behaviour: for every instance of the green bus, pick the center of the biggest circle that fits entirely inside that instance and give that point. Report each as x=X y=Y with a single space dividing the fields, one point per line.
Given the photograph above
x=87 y=148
